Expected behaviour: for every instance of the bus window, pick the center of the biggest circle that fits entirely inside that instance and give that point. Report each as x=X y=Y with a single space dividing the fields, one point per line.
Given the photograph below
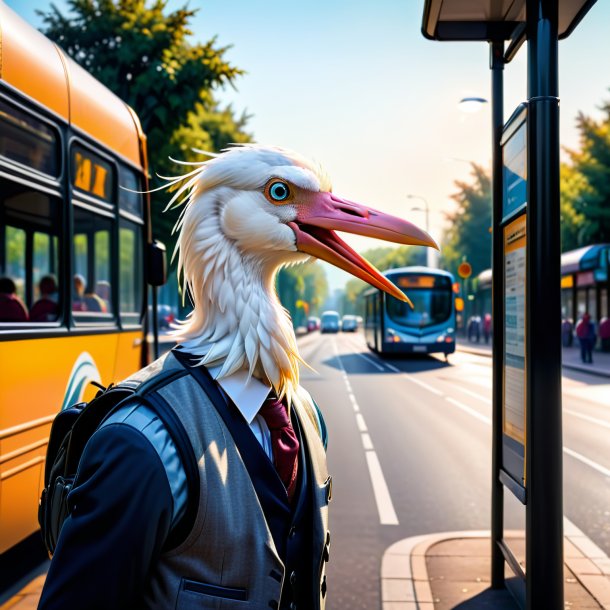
x=91 y=174
x=28 y=141
x=432 y=302
x=130 y=201
x=29 y=252
x=92 y=280
x=131 y=266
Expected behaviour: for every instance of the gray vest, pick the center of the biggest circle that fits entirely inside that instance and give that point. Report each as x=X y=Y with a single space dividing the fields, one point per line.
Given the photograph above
x=229 y=556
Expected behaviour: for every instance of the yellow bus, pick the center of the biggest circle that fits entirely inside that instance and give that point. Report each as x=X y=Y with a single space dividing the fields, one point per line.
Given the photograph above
x=73 y=253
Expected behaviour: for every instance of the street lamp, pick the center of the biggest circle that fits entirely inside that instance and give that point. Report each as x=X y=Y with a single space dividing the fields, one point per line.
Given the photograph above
x=427 y=211
x=471 y=104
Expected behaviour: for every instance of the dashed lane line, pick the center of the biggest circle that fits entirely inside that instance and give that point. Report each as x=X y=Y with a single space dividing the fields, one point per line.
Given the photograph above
x=487 y=420
x=383 y=499
x=385 y=508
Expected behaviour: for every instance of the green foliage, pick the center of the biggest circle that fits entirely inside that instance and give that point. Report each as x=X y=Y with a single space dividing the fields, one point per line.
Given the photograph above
x=573 y=226
x=143 y=54
x=468 y=236
x=589 y=196
x=302 y=283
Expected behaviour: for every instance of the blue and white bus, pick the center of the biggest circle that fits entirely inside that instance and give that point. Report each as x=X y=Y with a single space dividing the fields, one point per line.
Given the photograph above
x=393 y=327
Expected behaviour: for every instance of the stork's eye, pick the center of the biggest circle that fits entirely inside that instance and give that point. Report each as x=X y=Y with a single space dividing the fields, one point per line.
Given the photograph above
x=277 y=191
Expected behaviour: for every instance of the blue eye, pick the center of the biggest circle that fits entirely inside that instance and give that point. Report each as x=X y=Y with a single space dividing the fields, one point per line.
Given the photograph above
x=279 y=191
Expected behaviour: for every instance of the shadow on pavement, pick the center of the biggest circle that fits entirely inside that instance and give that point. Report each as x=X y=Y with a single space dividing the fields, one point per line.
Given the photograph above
x=369 y=364
x=490 y=598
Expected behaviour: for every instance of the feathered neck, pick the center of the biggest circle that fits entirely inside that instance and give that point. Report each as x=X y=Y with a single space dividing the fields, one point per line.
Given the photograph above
x=237 y=321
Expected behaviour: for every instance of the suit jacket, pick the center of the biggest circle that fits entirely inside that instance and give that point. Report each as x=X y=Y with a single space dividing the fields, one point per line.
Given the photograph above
x=230 y=556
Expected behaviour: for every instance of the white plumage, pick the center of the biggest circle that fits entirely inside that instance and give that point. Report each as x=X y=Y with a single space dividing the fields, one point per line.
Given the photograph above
x=235 y=236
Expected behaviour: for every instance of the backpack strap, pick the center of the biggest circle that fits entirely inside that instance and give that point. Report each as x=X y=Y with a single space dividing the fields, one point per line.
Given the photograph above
x=184 y=447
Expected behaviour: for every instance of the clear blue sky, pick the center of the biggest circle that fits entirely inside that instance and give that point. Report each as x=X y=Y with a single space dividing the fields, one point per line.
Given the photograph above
x=355 y=85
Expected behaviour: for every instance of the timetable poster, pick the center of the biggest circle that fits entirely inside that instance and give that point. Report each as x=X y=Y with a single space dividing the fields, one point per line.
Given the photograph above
x=514 y=332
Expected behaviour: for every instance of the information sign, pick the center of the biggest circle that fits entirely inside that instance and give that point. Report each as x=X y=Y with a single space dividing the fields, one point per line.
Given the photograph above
x=514 y=378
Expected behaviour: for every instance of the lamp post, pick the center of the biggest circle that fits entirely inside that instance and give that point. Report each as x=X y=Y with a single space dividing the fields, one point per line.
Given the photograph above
x=427 y=211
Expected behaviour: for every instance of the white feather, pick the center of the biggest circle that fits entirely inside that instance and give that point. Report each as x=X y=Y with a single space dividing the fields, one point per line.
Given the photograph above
x=231 y=244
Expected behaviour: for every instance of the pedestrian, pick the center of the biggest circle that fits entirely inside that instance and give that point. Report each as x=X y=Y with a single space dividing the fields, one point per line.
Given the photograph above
x=585 y=331
x=487 y=327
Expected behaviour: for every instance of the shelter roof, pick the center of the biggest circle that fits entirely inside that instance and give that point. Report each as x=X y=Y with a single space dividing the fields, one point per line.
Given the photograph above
x=491 y=19
x=583 y=259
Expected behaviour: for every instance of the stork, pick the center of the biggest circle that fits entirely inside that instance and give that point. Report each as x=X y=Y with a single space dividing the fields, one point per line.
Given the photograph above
x=247 y=212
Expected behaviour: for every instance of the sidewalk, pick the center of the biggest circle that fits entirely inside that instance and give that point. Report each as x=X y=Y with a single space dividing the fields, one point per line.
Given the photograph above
x=451 y=571
x=571 y=357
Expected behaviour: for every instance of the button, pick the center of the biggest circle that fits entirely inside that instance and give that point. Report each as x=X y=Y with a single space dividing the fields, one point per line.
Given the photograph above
x=323 y=586
x=292 y=606
x=293 y=531
x=293 y=578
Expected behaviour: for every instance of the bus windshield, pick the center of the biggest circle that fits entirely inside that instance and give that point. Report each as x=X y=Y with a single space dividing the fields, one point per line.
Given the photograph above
x=432 y=299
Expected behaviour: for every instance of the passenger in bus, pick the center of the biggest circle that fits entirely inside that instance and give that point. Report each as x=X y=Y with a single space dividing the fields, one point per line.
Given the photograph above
x=12 y=308
x=78 y=294
x=46 y=308
x=86 y=300
x=103 y=290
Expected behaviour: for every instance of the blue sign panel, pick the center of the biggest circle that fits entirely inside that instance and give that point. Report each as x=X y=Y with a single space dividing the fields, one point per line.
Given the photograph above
x=514 y=164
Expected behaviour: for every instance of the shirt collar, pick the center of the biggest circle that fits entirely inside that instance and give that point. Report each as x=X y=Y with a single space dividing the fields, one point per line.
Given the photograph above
x=248 y=394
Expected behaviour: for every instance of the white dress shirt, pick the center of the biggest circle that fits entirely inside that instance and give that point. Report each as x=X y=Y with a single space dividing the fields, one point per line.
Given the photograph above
x=248 y=396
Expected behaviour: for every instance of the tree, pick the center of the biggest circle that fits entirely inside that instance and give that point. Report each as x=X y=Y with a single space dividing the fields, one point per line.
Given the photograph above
x=590 y=195
x=302 y=284
x=469 y=234
x=143 y=54
x=573 y=223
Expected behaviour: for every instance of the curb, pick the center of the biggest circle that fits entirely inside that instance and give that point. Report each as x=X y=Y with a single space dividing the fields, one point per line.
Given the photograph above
x=405 y=583
x=566 y=365
x=404 y=576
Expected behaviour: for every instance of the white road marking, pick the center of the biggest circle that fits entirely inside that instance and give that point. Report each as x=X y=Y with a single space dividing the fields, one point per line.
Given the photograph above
x=371 y=361
x=361 y=423
x=593 y=420
x=422 y=384
x=469 y=410
x=407 y=376
x=367 y=442
x=471 y=393
x=383 y=500
x=585 y=460
x=385 y=508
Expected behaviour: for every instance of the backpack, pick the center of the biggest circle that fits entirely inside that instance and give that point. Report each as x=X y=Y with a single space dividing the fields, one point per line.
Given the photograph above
x=73 y=427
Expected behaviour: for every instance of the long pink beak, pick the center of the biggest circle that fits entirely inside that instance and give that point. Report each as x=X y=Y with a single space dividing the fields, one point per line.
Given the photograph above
x=322 y=213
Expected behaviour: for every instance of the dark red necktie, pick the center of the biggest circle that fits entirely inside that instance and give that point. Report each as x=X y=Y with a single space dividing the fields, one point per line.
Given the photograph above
x=284 y=442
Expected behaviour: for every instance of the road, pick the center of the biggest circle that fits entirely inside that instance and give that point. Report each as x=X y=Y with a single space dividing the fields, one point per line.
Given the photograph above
x=410 y=449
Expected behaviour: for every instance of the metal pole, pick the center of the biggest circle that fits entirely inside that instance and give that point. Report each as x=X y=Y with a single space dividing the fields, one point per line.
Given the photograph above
x=497 y=489
x=544 y=509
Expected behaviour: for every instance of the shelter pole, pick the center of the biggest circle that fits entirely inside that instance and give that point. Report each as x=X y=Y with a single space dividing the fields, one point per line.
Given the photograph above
x=544 y=509
x=496 y=49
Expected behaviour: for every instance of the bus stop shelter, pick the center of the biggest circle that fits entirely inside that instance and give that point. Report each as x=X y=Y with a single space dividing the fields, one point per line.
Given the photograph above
x=526 y=292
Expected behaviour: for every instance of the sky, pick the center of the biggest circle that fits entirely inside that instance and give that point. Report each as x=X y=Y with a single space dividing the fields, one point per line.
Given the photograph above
x=356 y=86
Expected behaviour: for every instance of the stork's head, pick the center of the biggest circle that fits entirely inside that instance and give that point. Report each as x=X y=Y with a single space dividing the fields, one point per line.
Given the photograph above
x=250 y=210
x=277 y=206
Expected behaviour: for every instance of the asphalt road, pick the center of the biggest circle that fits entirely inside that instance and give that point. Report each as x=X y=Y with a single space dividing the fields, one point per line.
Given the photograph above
x=410 y=449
